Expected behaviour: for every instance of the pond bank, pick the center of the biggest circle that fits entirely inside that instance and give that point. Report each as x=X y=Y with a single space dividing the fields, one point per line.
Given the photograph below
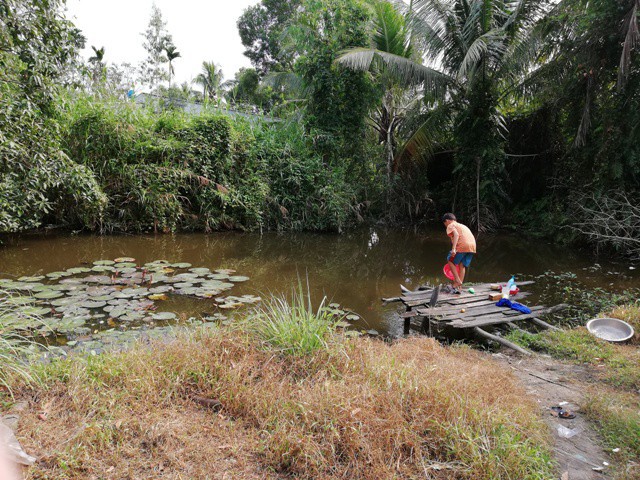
x=359 y=408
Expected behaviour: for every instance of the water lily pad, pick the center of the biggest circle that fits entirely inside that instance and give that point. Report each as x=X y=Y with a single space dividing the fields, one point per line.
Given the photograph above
x=127 y=271
x=373 y=332
x=103 y=268
x=342 y=324
x=200 y=271
x=103 y=262
x=334 y=305
x=56 y=275
x=48 y=295
x=124 y=260
x=238 y=278
x=230 y=306
x=183 y=285
x=77 y=270
x=163 y=316
x=27 y=286
x=36 y=278
x=181 y=265
x=33 y=310
x=158 y=296
x=19 y=300
x=353 y=317
x=161 y=289
x=71 y=281
x=101 y=279
x=93 y=304
x=218 y=276
x=61 y=302
x=132 y=316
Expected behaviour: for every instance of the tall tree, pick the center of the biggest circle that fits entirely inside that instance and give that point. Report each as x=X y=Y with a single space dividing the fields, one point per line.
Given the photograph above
x=172 y=53
x=156 y=37
x=99 y=68
x=476 y=52
x=261 y=30
x=210 y=79
x=337 y=99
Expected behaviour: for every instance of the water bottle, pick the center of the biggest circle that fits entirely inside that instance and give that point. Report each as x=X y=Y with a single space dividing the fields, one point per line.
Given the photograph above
x=507 y=288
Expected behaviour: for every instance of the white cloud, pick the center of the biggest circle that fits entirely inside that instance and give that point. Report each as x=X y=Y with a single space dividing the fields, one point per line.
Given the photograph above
x=201 y=30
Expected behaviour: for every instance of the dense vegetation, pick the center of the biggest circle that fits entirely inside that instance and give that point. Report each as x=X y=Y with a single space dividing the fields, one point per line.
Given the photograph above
x=518 y=114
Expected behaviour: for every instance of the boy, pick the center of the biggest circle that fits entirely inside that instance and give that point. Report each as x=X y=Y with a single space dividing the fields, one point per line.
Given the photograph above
x=463 y=246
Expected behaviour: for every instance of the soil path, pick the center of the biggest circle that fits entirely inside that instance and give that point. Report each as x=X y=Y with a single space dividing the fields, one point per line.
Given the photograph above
x=551 y=382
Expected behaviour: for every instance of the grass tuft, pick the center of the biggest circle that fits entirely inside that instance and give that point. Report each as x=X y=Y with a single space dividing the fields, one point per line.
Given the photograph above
x=14 y=348
x=291 y=325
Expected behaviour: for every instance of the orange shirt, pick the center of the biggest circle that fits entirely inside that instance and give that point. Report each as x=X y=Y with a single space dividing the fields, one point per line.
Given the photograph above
x=466 y=240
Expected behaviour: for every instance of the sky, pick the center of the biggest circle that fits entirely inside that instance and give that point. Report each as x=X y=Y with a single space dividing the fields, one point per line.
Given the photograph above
x=201 y=30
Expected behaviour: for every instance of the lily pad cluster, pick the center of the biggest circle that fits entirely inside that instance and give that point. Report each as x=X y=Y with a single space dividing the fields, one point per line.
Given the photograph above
x=112 y=293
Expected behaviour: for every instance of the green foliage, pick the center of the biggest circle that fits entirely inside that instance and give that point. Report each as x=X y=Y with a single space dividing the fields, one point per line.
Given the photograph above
x=261 y=30
x=36 y=178
x=176 y=171
x=338 y=99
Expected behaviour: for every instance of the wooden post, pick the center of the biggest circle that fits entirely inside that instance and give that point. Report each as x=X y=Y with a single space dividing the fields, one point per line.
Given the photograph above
x=544 y=324
x=501 y=341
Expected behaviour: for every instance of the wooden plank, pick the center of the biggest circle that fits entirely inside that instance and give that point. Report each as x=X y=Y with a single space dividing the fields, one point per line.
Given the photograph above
x=486 y=309
x=444 y=309
x=500 y=318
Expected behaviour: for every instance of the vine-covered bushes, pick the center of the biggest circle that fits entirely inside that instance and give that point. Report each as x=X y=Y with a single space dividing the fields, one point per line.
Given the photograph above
x=169 y=170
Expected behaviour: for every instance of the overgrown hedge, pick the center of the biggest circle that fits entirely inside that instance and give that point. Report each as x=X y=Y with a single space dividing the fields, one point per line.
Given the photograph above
x=169 y=170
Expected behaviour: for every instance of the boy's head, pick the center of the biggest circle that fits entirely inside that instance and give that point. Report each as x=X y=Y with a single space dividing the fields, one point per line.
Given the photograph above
x=447 y=218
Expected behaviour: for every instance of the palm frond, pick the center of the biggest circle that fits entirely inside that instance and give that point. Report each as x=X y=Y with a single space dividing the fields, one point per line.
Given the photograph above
x=631 y=40
x=405 y=70
x=427 y=138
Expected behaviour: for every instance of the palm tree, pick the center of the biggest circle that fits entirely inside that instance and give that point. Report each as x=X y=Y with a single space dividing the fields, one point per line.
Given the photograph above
x=97 y=60
x=210 y=80
x=172 y=54
x=476 y=52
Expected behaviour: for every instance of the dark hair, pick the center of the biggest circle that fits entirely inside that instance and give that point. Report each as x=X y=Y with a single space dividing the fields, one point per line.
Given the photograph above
x=448 y=216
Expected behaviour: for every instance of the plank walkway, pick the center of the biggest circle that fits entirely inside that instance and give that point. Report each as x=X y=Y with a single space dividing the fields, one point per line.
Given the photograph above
x=468 y=310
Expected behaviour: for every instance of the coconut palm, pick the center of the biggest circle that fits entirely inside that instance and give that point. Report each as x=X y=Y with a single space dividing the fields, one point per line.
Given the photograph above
x=475 y=52
x=172 y=53
x=210 y=80
x=98 y=64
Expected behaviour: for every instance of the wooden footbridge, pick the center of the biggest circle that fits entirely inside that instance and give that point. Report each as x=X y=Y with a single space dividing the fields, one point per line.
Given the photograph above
x=429 y=309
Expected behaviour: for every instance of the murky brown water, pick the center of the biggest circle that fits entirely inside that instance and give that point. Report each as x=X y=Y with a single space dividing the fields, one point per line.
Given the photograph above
x=356 y=269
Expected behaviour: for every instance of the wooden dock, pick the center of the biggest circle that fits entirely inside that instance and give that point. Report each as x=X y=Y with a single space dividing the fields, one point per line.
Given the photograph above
x=432 y=308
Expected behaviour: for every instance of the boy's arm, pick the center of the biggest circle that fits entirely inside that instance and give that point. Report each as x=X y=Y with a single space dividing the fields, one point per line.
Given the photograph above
x=454 y=241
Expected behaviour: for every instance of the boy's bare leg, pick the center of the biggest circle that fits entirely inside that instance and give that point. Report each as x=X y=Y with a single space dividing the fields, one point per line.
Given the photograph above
x=454 y=270
x=463 y=271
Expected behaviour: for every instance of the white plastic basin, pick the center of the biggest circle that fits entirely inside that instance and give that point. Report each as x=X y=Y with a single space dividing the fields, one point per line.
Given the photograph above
x=610 y=329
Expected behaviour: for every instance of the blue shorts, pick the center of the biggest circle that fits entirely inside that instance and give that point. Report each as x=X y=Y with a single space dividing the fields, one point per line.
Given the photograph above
x=463 y=258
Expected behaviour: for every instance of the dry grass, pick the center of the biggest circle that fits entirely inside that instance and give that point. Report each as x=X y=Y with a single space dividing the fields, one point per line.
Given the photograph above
x=361 y=409
x=631 y=315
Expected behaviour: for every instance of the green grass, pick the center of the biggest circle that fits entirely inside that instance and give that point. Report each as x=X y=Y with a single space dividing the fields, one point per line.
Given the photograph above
x=291 y=324
x=14 y=348
x=619 y=363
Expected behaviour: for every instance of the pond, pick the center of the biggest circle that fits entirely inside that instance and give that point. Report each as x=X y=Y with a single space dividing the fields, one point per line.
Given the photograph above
x=355 y=270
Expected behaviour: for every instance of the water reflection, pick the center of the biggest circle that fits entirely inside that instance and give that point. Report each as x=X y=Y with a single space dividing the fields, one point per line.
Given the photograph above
x=356 y=269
